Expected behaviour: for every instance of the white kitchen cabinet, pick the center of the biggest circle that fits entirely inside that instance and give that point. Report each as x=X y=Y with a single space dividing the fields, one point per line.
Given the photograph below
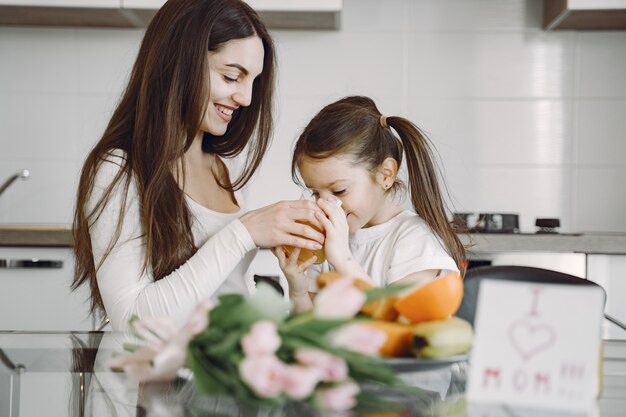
x=277 y=14
x=608 y=271
x=259 y=5
x=63 y=3
x=40 y=298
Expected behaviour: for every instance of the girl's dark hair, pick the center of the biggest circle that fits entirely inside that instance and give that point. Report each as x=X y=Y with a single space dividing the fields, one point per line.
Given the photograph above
x=156 y=121
x=352 y=126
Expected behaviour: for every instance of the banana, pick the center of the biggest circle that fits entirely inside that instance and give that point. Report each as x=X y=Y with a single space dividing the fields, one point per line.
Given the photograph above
x=441 y=338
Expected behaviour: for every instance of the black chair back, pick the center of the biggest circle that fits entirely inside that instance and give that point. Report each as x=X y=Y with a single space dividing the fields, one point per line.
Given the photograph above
x=473 y=277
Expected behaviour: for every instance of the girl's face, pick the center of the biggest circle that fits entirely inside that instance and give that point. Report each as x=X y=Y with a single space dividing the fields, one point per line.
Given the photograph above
x=362 y=195
x=232 y=70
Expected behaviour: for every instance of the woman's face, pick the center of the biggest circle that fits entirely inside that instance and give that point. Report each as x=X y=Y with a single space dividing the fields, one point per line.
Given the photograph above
x=232 y=70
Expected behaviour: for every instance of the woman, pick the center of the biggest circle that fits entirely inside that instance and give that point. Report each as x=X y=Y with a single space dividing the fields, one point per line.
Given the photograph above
x=160 y=221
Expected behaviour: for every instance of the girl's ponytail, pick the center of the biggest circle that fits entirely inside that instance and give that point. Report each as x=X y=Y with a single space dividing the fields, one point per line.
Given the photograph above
x=424 y=187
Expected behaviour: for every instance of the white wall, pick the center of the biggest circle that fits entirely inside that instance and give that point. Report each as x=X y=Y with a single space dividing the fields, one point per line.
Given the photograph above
x=526 y=121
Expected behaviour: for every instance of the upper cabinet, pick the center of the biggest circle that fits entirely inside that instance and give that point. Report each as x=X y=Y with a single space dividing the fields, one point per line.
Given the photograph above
x=584 y=14
x=277 y=14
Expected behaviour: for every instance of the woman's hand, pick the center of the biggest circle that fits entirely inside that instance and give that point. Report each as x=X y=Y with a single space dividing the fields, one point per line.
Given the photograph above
x=276 y=225
x=295 y=272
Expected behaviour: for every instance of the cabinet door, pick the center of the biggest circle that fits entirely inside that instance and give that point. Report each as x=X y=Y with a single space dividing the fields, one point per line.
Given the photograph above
x=608 y=271
x=143 y=4
x=63 y=3
x=34 y=298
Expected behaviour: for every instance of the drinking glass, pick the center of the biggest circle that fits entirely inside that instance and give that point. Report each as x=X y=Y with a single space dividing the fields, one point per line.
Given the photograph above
x=306 y=254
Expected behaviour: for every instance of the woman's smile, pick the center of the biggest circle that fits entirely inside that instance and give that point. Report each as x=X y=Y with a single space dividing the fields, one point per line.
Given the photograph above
x=225 y=112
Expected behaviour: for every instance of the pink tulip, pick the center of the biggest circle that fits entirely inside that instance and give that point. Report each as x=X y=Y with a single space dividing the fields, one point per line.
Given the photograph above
x=339 y=398
x=359 y=337
x=264 y=374
x=263 y=339
x=166 y=350
x=331 y=368
x=300 y=381
x=339 y=300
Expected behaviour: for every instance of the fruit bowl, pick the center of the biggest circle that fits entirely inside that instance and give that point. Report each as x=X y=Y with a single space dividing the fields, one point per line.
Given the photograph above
x=423 y=364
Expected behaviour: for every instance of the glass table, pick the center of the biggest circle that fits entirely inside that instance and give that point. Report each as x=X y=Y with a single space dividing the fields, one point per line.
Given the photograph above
x=67 y=374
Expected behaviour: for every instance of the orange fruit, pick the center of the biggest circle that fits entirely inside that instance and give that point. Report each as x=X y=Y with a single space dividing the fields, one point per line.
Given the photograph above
x=437 y=300
x=399 y=337
x=381 y=309
x=326 y=278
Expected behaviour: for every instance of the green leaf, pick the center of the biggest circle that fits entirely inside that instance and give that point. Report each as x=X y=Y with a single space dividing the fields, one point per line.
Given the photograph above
x=203 y=377
x=381 y=292
x=372 y=403
x=222 y=314
x=268 y=304
x=368 y=368
x=229 y=343
x=130 y=347
x=310 y=323
x=237 y=312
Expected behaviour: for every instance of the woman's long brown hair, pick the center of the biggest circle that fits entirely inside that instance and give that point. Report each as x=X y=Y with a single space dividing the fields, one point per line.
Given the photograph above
x=156 y=121
x=351 y=126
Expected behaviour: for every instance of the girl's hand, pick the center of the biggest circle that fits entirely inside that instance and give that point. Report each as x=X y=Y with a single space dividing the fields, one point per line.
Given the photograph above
x=335 y=223
x=276 y=225
x=337 y=248
x=295 y=272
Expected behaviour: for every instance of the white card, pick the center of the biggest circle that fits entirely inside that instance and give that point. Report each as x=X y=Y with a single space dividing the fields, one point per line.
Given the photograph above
x=536 y=345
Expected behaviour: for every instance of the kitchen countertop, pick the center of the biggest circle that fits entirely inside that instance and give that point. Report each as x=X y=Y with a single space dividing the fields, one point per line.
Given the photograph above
x=57 y=235
x=587 y=242
x=60 y=235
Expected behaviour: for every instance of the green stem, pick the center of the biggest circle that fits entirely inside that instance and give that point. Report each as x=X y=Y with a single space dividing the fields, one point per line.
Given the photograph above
x=297 y=321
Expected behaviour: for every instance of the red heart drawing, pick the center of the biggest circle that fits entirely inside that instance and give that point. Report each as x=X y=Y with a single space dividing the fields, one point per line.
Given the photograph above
x=529 y=339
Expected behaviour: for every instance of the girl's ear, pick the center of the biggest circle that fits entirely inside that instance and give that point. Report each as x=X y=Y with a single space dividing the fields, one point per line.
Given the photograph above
x=387 y=172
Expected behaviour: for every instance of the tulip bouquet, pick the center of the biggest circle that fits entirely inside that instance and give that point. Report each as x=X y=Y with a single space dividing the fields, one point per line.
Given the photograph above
x=254 y=350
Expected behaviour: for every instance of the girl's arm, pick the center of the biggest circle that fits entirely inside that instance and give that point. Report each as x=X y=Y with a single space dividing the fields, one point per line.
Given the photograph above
x=417 y=255
x=295 y=272
x=419 y=278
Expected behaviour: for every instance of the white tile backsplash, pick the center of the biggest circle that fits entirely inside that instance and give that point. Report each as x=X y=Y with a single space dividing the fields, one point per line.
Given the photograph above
x=112 y=54
x=475 y=15
x=93 y=114
x=525 y=120
x=530 y=191
x=601 y=64
x=341 y=63
x=600 y=200
x=487 y=64
x=39 y=60
x=46 y=197
x=601 y=133
x=497 y=131
x=375 y=16
x=39 y=125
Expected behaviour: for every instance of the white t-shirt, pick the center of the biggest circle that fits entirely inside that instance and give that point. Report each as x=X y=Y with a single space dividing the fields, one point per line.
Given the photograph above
x=392 y=250
x=225 y=251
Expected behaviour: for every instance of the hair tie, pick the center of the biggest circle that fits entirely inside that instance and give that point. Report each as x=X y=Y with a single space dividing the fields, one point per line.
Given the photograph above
x=383 y=121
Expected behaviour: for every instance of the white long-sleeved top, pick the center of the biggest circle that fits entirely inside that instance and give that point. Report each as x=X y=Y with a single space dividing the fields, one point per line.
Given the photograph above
x=225 y=251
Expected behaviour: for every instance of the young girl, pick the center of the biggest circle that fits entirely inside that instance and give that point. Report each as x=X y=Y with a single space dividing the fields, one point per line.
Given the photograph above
x=349 y=158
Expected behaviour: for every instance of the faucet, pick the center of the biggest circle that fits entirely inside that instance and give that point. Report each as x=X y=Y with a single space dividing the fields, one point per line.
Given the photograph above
x=22 y=175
